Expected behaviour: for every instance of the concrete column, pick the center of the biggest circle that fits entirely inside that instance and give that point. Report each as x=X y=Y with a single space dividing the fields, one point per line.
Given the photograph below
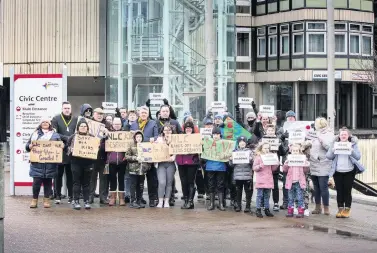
x=129 y=55
x=220 y=51
x=330 y=64
x=296 y=93
x=354 y=105
x=210 y=53
x=120 y=55
x=166 y=32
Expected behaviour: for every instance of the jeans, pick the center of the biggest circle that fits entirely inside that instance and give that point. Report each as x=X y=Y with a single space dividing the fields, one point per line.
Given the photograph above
x=263 y=198
x=187 y=175
x=116 y=182
x=98 y=168
x=136 y=187
x=152 y=182
x=296 y=193
x=216 y=181
x=127 y=183
x=343 y=185
x=47 y=186
x=199 y=181
x=81 y=179
x=321 y=189
x=58 y=181
x=285 y=191
x=165 y=175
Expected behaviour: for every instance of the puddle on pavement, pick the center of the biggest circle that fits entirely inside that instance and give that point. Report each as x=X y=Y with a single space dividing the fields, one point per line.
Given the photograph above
x=334 y=231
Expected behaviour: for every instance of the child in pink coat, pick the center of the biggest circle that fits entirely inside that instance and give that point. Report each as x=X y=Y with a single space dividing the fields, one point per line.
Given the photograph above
x=296 y=183
x=264 y=180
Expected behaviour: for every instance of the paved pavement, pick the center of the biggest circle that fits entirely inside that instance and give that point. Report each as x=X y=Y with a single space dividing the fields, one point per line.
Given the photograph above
x=121 y=229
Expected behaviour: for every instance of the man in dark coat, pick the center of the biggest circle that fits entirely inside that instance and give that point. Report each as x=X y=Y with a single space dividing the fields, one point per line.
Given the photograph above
x=65 y=125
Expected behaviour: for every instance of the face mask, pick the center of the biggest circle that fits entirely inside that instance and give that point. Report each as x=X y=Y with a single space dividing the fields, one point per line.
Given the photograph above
x=251 y=122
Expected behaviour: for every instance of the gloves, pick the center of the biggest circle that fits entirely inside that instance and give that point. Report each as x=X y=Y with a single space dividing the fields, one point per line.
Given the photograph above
x=253 y=104
x=117 y=113
x=166 y=102
x=148 y=103
x=284 y=136
x=237 y=107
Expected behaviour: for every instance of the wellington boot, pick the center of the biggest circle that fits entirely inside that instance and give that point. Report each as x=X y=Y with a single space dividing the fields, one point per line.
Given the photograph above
x=46 y=203
x=221 y=202
x=211 y=205
x=34 y=203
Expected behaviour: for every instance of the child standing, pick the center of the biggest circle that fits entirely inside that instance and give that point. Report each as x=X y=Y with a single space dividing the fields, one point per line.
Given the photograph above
x=264 y=180
x=296 y=183
x=243 y=176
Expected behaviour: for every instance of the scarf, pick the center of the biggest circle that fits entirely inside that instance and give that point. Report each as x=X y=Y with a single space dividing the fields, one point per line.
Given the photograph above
x=142 y=124
x=41 y=135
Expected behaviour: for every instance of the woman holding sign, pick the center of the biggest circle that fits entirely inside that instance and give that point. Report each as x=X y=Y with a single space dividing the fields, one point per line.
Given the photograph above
x=42 y=173
x=345 y=156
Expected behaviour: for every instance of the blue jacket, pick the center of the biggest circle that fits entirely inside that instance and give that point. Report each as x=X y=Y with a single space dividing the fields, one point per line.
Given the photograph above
x=354 y=157
x=215 y=166
x=150 y=130
x=43 y=170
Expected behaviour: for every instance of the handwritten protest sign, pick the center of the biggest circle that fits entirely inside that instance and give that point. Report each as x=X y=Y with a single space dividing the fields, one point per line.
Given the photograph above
x=85 y=146
x=220 y=150
x=96 y=129
x=267 y=110
x=297 y=160
x=153 y=152
x=47 y=152
x=297 y=125
x=274 y=143
x=182 y=144
x=342 y=148
x=206 y=132
x=296 y=137
x=245 y=102
x=218 y=106
x=311 y=135
x=119 y=141
x=270 y=159
x=241 y=157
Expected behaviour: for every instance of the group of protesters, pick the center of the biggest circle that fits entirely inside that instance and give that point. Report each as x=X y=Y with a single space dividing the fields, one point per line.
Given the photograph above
x=122 y=174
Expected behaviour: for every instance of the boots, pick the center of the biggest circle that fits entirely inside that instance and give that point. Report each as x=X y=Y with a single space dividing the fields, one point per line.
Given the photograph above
x=221 y=202
x=190 y=204
x=134 y=204
x=185 y=203
x=317 y=209
x=211 y=202
x=248 y=201
x=326 y=210
x=300 y=212
x=112 y=200
x=346 y=212
x=238 y=202
x=121 y=199
x=290 y=212
x=34 y=203
x=340 y=212
x=268 y=213
x=46 y=203
x=258 y=213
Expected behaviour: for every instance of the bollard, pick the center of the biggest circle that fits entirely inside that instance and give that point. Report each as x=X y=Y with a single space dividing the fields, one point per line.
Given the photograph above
x=2 y=167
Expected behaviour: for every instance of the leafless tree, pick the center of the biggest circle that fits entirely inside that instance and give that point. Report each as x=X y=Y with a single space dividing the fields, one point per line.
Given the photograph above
x=368 y=70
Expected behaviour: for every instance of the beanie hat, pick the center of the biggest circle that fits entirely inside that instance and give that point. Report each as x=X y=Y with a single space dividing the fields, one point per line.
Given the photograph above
x=208 y=122
x=219 y=116
x=188 y=125
x=290 y=114
x=46 y=119
x=251 y=115
x=241 y=138
x=216 y=130
x=186 y=115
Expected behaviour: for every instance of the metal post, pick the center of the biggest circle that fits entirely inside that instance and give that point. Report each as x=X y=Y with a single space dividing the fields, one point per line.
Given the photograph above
x=65 y=98
x=354 y=105
x=330 y=64
x=1 y=73
x=12 y=134
x=120 y=55
x=220 y=51
x=297 y=99
x=2 y=214
x=210 y=47
x=166 y=34
x=129 y=55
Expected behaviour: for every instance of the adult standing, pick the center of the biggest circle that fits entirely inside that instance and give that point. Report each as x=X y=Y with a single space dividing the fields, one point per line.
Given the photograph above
x=123 y=116
x=150 y=131
x=320 y=166
x=65 y=125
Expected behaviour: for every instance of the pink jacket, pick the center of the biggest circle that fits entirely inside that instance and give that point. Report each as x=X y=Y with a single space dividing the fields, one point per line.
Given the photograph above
x=263 y=173
x=289 y=180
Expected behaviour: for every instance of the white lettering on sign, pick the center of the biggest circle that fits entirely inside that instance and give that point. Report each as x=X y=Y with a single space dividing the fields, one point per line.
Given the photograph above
x=296 y=137
x=267 y=110
x=270 y=159
x=322 y=75
x=156 y=96
x=241 y=157
x=297 y=160
x=245 y=102
x=342 y=148
x=109 y=105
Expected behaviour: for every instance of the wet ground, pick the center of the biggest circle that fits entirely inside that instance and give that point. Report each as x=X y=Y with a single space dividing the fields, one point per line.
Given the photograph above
x=121 y=229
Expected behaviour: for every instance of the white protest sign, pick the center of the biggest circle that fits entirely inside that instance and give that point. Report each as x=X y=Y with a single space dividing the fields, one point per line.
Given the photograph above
x=156 y=100
x=297 y=125
x=241 y=157
x=156 y=96
x=296 y=137
x=206 y=132
x=245 y=102
x=270 y=159
x=342 y=148
x=311 y=135
x=218 y=106
x=35 y=97
x=274 y=143
x=297 y=160
x=109 y=107
x=267 y=110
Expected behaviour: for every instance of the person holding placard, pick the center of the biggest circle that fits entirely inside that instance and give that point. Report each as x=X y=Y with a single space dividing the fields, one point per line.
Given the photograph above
x=82 y=168
x=242 y=173
x=296 y=180
x=345 y=156
x=320 y=166
x=42 y=173
x=264 y=179
x=261 y=125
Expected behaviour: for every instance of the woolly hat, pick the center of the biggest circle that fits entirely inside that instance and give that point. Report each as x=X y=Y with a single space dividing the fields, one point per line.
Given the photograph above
x=251 y=115
x=219 y=116
x=186 y=115
x=290 y=114
x=216 y=130
x=46 y=119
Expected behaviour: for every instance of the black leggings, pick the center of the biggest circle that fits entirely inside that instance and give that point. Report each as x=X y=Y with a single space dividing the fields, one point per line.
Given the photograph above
x=199 y=181
x=187 y=175
x=81 y=178
x=216 y=181
x=47 y=186
x=343 y=185
x=136 y=187
x=58 y=181
x=117 y=182
x=247 y=185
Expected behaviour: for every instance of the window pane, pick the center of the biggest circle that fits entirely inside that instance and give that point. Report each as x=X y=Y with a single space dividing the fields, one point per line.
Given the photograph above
x=284 y=28
x=273 y=46
x=298 y=41
x=243 y=65
x=354 y=27
x=354 y=44
x=285 y=45
x=262 y=47
x=230 y=44
x=367 y=28
x=367 y=45
x=243 y=44
x=340 y=40
x=272 y=30
x=340 y=26
x=316 y=43
x=243 y=9
x=298 y=27
x=316 y=26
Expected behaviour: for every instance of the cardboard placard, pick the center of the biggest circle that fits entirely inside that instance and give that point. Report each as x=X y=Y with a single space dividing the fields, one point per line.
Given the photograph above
x=267 y=110
x=218 y=106
x=153 y=152
x=241 y=157
x=220 y=150
x=96 y=129
x=184 y=144
x=245 y=102
x=274 y=143
x=270 y=159
x=296 y=137
x=206 y=132
x=86 y=147
x=342 y=148
x=311 y=135
x=297 y=160
x=119 y=141
x=47 y=152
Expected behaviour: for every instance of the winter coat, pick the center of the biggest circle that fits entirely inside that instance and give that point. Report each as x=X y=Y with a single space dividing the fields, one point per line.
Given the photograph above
x=175 y=125
x=113 y=157
x=214 y=166
x=134 y=167
x=150 y=130
x=191 y=159
x=319 y=164
x=243 y=171
x=43 y=170
x=354 y=157
x=58 y=124
x=83 y=108
x=289 y=179
x=264 y=178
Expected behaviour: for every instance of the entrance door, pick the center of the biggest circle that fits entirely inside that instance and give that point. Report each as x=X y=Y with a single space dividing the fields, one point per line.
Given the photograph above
x=344 y=105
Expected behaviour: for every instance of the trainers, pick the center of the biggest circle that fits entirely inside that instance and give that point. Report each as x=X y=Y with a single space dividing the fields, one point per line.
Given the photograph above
x=76 y=205
x=276 y=207
x=57 y=200
x=143 y=201
x=200 y=196
x=69 y=200
x=87 y=205
x=306 y=212
x=135 y=205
